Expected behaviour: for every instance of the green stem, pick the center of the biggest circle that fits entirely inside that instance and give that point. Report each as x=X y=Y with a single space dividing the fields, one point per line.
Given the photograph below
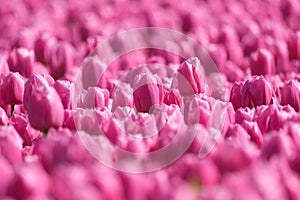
x=12 y=109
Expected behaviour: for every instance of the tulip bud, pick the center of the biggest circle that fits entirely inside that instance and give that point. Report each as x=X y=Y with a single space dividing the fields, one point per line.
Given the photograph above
x=42 y=48
x=12 y=89
x=290 y=94
x=262 y=63
x=21 y=60
x=190 y=80
x=173 y=97
x=3 y=117
x=45 y=109
x=63 y=88
x=197 y=110
x=121 y=95
x=252 y=93
x=294 y=46
x=96 y=97
x=10 y=144
x=148 y=91
x=35 y=81
x=61 y=60
x=4 y=69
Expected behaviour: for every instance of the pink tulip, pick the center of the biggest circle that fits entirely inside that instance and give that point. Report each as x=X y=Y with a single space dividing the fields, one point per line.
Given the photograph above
x=232 y=72
x=238 y=134
x=96 y=97
x=3 y=117
x=173 y=97
x=63 y=88
x=244 y=114
x=35 y=81
x=252 y=93
x=147 y=92
x=4 y=69
x=21 y=60
x=10 y=144
x=45 y=109
x=61 y=60
x=262 y=63
x=67 y=177
x=278 y=144
x=30 y=180
x=197 y=110
x=27 y=133
x=290 y=94
x=294 y=46
x=190 y=80
x=121 y=95
x=42 y=47
x=7 y=176
x=12 y=89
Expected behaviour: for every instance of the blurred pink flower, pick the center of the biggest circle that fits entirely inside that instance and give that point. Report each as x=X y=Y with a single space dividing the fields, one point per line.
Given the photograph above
x=262 y=62
x=21 y=60
x=12 y=89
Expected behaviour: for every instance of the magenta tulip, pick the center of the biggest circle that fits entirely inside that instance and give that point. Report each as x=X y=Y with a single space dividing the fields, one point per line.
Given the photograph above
x=61 y=60
x=252 y=93
x=35 y=81
x=12 y=90
x=45 y=109
x=63 y=88
x=147 y=92
x=21 y=60
x=290 y=94
x=4 y=69
x=190 y=80
x=262 y=62
x=10 y=144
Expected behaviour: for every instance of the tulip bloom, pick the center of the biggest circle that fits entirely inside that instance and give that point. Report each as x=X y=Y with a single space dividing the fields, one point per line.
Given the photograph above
x=252 y=93
x=45 y=109
x=262 y=63
x=190 y=80
x=290 y=94
x=63 y=88
x=21 y=60
x=61 y=60
x=35 y=81
x=96 y=97
x=12 y=90
x=147 y=92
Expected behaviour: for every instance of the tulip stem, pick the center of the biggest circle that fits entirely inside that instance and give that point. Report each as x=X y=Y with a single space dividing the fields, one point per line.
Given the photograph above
x=12 y=109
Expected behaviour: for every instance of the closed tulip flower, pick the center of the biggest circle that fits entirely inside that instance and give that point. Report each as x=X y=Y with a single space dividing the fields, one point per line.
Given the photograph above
x=45 y=109
x=96 y=97
x=12 y=90
x=252 y=93
x=21 y=60
x=262 y=63
x=190 y=80
x=290 y=94
x=63 y=88
x=35 y=81
x=147 y=92
x=61 y=60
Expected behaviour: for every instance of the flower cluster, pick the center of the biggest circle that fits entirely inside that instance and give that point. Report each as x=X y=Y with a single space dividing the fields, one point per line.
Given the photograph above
x=256 y=47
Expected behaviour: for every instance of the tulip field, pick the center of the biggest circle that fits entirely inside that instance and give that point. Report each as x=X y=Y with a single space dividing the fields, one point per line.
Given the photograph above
x=150 y=100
